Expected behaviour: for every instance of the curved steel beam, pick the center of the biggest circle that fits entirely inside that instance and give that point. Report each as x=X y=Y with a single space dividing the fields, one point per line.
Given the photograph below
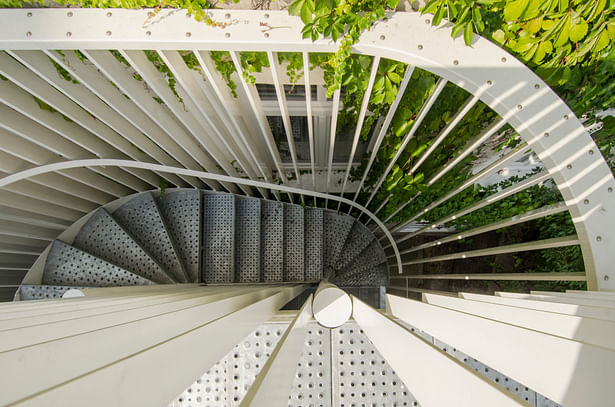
x=107 y=162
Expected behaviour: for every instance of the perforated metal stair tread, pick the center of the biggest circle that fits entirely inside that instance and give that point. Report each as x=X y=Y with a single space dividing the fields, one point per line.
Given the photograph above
x=293 y=243
x=313 y=218
x=104 y=238
x=218 y=238
x=248 y=237
x=272 y=240
x=335 y=231
x=141 y=218
x=181 y=211
x=41 y=292
x=358 y=239
x=69 y=266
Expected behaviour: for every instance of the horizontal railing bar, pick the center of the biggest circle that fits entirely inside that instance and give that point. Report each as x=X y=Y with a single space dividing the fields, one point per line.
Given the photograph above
x=421 y=290
x=512 y=248
x=521 y=218
x=499 y=276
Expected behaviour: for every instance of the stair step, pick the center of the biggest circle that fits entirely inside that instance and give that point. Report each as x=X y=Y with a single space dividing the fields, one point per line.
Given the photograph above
x=313 y=219
x=364 y=266
x=336 y=228
x=104 y=238
x=247 y=239
x=272 y=240
x=372 y=276
x=181 y=211
x=68 y=266
x=142 y=220
x=293 y=243
x=358 y=239
x=41 y=292
x=218 y=237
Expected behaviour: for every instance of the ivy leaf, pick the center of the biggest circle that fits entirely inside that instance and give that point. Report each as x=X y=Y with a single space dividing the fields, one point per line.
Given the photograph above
x=578 y=31
x=514 y=9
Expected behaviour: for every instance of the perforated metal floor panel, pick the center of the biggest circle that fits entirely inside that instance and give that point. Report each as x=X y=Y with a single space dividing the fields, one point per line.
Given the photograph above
x=141 y=218
x=293 y=243
x=41 y=292
x=365 y=267
x=313 y=243
x=272 y=240
x=218 y=238
x=182 y=214
x=248 y=237
x=373 y=276
x=335 y=229
x=69 y=266
x=103 y=237
x=358 y=239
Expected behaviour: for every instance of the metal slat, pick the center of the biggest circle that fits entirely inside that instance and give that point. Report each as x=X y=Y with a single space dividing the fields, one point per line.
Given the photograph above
x=294 y=256
x=308 y=110
x=248 y=240
x=332 y=133
x=142 y=220
x=37 y=205
x=219 y=238
x=272 y=240
x=313 y=239
x=67 y=265
x=606 y=303
x=103 y=237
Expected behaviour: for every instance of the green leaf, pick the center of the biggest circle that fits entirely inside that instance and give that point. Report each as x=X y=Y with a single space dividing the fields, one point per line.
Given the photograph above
x=456 y=30
x=395 y=78
x=611 y=29
x=437 y=18
x=467 y=34
x=306 y=13
x=603 y=41
x=477 y=19
x=547 y=24
x=534 y=25
x=295 y=8
x=578 y=31
x=431 y=6
x=563 y=5
x=564 y=33
x=499 y=36
x=514 y=9
x=392 y=3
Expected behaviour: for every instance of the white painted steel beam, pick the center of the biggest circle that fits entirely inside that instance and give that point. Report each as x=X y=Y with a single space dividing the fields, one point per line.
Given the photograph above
x=424 y=368
x=40 y=206
x=554 y=276
x=604 y=303
x=385 y=126
x=607 y=314
x=332 y=133
x=274 y=382
x=417 y=123
x=360 y=120
x=570 y=373
x=308 y=111
x=129 y=357
x=588 y=295
x=332 y=306
x=587 y=330
x=596 y=293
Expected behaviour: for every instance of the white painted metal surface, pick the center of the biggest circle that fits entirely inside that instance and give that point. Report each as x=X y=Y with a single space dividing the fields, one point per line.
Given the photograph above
x=332 y=307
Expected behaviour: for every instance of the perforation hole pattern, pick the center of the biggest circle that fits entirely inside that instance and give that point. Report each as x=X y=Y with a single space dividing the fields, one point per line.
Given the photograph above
x=182 y=214
x=68 y=266
x=248 y=250
x=293 y=243
x=103 y=237
x=141 y=219
x=272 y=240
x=358 y=239
x=313 y=244
x=335 y=229
x=39 y=292
x=218 y=237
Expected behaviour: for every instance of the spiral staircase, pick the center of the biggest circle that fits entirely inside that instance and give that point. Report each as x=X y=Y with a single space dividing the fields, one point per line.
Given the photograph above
x=192 y=236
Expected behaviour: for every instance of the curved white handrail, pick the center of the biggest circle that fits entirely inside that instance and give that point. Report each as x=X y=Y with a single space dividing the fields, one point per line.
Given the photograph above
x=64 y=165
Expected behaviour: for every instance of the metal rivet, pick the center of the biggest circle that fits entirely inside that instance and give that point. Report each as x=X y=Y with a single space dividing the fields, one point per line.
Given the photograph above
x=609 y=189
x=68 y=34
x=108 y=33
x=188 y=34
x=598 y=238
x=503 y=59
x=382 y=38
x=148 y=33
x=420 y=46
x=227 y=16
x=109 y=14
x=519 y=107
x=546 y=134
x=266 y=35
x=266 y=15
x=29 y=14
x=69 y=14
x=606 y=278
x=569 y=166
x=455 y=62
x=566 y=117
x=489 y=82
x=537 y=86
x=28 y=34
x=591 y=152
x=586 y=201
x=227 y=35
x=428 y=21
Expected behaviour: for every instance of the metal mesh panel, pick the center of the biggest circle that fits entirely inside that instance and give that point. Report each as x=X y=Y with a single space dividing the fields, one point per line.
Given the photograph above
x=248 y=232
x=103 y=237
x=272 y=240
x=293 y=243
x=182 y=214
x=335 y=228
x=39 y=292
x=68 y=266
x=369 y=258
x=358 y=239
x=374 y=276
x=361 y=376
x=218 y=238
x=141 y=219
x=313 y=244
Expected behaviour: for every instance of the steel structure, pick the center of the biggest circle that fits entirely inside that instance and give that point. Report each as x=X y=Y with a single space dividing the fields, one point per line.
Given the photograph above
x=87 y=120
